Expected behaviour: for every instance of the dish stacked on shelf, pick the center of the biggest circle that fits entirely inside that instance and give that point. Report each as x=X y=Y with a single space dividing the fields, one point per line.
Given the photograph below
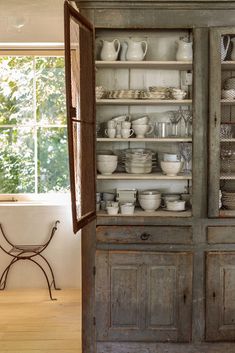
x=149 y=200
x=124 y=94
x=155 y=92
x=139 y=160
x=100 y=92
x=228 y=200
x=229 y=88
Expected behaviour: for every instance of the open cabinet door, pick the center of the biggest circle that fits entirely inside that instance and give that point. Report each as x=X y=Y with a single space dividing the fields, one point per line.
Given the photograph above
x=80 y=99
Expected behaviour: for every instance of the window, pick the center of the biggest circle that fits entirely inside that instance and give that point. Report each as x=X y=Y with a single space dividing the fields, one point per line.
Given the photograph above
x=33 y=130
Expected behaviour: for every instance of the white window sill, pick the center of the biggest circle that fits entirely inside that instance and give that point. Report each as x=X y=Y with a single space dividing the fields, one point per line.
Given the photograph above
x=35 y=200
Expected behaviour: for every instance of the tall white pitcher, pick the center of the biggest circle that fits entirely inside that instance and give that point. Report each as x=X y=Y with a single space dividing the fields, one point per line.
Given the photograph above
x=110 y=50
x=224 y=48
x=136 y=50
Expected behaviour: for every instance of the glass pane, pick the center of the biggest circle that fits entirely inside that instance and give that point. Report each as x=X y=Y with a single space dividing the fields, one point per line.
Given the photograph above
x=52 y=160
x=227 y=126
x=50 y=90
x=16 y=90
x=17 y=161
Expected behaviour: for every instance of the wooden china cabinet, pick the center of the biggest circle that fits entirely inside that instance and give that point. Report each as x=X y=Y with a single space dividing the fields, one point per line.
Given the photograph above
x=160 y=281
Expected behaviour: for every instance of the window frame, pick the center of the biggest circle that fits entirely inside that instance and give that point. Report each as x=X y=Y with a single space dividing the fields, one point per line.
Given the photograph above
x=34 y=50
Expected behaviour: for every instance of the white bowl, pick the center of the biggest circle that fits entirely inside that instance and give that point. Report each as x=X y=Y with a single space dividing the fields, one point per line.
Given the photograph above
x=142 y=129
x=149 y=192
x=171 y=168
x=175 y=205
x=107 y=158
x=106 y=168
x=150 y=205
x=127 y=209
x=140 y=121
x=228 y=93
x=111 y=210
x=170 y=157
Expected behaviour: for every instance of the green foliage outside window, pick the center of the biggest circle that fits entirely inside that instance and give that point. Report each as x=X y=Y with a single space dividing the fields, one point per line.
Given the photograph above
x=33 y=133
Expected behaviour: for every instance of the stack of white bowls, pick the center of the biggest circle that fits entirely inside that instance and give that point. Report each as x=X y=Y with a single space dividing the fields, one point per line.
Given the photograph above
x=149 y=200
x=138 y=161
x=106 y=164
x=141 y=126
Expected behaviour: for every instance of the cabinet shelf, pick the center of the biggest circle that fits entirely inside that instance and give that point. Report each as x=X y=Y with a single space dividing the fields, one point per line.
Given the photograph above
x=158 y=213
x=227 y=213
x=231 y=176
x=227 y=140
x=228 y=65
x=167 y=65
x=147 y=139
x=227 y=102
x=150 y=176
x=143 y=102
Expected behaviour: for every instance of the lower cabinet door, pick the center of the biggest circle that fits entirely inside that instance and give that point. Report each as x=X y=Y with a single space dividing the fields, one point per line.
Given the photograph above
x=220 y=305
x=143 y=296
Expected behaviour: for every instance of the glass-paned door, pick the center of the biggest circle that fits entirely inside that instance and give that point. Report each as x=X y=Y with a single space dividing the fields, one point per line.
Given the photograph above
x=222 y=123
x=80 y=97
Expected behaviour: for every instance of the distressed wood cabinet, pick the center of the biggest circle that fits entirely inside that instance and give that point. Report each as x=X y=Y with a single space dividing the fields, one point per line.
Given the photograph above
x=154 y=283
x=143 y=296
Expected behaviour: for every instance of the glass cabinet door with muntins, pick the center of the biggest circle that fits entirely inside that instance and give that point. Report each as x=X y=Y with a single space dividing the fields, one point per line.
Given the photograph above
x=144 y=122
x=222 y=123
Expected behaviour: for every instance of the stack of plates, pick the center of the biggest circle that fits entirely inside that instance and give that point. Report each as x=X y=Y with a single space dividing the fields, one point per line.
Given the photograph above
x=156 y=92
x=100 y=92
x=139 y=161
x=124 y=94
x=228 y=200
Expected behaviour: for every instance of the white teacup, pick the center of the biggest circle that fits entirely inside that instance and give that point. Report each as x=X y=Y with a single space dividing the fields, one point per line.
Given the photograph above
x=179 y=95
x=127 y=133
x=111 y=124
x=111 y=133
x=126 y=125
x=142 y=130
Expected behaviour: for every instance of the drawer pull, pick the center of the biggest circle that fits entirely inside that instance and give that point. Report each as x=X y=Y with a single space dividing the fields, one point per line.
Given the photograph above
x=145 y=236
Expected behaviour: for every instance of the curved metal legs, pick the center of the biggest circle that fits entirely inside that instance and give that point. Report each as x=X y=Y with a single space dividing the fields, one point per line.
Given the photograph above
x=4 y=276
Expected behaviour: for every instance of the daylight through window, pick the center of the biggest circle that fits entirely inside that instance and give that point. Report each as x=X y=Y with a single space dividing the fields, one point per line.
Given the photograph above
x=33 y=132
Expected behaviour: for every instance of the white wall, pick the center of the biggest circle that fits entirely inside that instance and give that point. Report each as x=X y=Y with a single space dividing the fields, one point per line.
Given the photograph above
x=42 y=22
x=32 y=225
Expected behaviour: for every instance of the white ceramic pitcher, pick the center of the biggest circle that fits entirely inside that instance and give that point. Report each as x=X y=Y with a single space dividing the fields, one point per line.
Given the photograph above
x=224 y=49
x=136 y=50
x=110 y=50
x=184 y=51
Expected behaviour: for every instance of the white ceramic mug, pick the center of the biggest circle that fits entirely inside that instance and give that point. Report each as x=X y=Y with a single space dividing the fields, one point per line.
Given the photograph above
x=111 y=133
x=127 y=133
x=126 y=125
x=111 y=124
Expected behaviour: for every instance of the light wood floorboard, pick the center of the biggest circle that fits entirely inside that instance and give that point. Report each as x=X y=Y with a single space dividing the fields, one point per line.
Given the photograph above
x=31 y=322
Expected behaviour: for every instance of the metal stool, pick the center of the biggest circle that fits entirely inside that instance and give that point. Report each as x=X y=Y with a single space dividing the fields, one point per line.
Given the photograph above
x=28 y=252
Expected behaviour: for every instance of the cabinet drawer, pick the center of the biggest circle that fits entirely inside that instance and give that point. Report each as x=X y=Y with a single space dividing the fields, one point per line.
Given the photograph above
x=221 y=235
x=145 y=234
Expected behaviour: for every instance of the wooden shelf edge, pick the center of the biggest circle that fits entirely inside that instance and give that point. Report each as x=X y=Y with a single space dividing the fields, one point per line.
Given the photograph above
x=186 y=65
x=157 y=213
x=150 y=176
x=143 y=102
x=134 y=139
x=227 y=213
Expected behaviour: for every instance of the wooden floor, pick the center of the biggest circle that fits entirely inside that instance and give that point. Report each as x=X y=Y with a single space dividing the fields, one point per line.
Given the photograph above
x=31 y=322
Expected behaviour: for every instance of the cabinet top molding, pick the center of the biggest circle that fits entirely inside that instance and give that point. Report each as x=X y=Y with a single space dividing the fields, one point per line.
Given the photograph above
x=163 y=4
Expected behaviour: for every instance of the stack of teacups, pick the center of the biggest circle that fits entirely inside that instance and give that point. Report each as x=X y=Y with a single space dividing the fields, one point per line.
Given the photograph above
x=178 y=93
x=106 y=164
x=142 y=127
x=118 y=121
x=149 y=200
x=126 y=130
x=111 y=129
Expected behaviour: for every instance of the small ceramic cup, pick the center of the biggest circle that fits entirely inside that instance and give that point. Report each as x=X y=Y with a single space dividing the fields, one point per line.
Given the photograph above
x=111 y=124
x=126 y=125
x=127 y=133
x=111 y=133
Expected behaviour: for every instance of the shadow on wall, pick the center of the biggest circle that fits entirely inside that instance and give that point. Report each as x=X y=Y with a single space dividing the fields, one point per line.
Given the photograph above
x=32 y=225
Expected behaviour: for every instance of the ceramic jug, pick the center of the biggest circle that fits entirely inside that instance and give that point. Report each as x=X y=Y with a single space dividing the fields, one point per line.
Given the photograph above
x=110 y=50
x=224 y=48
x=136 y=50
x=184 y=51
x=123 y=51
x=233 y=50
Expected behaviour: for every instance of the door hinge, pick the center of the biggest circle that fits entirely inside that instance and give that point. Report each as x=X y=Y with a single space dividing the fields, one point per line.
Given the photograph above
x=94 y=320
x=94 y=270
x=73 y=112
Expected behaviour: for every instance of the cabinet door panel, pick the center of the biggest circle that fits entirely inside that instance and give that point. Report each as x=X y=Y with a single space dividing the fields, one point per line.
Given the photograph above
x=161 y=296
x=143 y=296
x=220 y=311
